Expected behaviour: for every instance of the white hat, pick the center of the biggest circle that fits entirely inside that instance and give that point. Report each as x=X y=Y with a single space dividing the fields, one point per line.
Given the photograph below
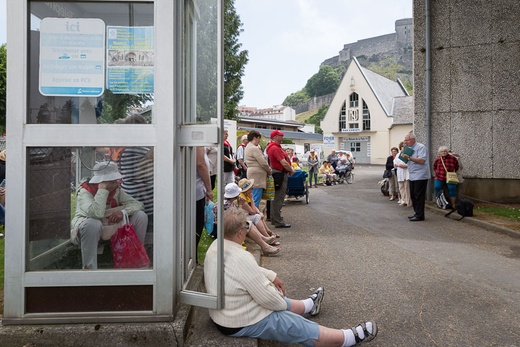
x=104 y=172
x=232 y=190
x=244 y=137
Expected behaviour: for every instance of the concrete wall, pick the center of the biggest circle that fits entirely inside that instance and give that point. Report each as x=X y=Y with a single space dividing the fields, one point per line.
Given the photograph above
x=475 y=90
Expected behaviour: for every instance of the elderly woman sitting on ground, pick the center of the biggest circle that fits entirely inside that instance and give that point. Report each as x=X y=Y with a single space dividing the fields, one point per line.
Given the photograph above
x=255 y=304
x=100 y=198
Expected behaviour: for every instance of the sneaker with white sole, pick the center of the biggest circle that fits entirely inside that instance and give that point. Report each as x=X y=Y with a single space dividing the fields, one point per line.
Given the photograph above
x=317 y=297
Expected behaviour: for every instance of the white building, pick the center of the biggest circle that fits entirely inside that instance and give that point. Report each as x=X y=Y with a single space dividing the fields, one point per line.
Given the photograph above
x=369 y=115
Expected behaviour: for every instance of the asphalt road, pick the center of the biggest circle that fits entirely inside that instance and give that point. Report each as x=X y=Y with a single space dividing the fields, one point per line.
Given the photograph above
x=439 y=282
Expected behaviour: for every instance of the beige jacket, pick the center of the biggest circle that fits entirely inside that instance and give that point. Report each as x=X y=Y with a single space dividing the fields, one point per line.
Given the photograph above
x=257 y=166
x=89 y=206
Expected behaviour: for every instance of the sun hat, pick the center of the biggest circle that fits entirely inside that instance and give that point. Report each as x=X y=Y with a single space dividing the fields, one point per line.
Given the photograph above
x=276 y=133
x=231 y=190
x=246 y=184
x=104 y=172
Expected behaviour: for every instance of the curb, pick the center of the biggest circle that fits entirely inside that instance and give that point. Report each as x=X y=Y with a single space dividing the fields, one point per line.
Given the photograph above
x=477 y=222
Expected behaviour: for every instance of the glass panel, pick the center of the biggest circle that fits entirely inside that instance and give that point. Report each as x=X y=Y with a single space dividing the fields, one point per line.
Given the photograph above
x=90 y=62
x=206 y=54
x=67 y=210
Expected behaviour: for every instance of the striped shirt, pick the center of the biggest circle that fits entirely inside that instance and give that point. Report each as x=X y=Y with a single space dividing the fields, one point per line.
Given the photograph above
x=137 y=171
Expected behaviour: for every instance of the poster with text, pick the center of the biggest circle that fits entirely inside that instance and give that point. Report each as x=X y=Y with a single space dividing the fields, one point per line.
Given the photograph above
x=130 y=60
x=72 y=57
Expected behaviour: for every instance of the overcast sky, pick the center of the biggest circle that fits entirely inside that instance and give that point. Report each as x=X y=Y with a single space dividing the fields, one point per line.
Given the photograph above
x=287 y=40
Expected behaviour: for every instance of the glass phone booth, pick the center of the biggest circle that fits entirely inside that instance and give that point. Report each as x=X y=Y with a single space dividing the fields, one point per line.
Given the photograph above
x=95 y=85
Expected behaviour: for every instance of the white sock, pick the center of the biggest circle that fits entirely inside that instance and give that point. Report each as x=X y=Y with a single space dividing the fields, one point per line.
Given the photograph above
x=308 y=305
x=350 y=340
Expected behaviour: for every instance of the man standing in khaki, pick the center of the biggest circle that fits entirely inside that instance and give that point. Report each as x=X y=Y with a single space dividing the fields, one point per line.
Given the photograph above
x=281 y=166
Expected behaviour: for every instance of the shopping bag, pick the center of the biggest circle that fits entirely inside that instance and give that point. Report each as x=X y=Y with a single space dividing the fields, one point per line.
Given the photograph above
x=209 y=217
x=268 y=193
x=127 y=250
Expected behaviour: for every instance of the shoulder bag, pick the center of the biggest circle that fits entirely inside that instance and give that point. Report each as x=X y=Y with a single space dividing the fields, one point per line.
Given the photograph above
x=451 y=177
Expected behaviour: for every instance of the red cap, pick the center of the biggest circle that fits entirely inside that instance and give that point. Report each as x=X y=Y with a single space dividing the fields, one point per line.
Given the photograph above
x=276 y=133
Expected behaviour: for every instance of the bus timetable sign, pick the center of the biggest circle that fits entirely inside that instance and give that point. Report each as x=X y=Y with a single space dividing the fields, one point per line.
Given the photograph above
x=72 y=57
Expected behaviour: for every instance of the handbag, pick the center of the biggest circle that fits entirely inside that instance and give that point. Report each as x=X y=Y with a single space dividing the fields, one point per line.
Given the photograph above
x=451 y=177
x=268 y=193
x=127 y=250
x=387 y=174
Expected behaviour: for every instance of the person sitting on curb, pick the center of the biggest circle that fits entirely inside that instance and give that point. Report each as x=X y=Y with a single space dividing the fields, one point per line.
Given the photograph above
x=245 y=202
x=93 y=199
x=255 y=304
x=232 y=195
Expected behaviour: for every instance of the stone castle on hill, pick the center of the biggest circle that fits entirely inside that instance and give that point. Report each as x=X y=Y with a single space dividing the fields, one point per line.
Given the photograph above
x=397 y=44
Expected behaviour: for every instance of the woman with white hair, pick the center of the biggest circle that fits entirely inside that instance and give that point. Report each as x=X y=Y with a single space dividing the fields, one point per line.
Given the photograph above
x=445 y=162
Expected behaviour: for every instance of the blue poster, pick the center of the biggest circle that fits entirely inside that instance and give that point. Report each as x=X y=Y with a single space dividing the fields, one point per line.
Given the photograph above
x=130 y=60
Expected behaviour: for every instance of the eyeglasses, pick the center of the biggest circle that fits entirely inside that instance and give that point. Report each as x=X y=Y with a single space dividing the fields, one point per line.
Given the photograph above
x=246 y=227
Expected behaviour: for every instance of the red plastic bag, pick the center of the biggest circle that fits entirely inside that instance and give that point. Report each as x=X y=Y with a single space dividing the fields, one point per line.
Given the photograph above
x=128 y=252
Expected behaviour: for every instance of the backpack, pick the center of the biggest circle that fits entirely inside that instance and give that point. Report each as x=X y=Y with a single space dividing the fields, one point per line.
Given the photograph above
x=442 y=202
x=464 y=208
x=384 y=187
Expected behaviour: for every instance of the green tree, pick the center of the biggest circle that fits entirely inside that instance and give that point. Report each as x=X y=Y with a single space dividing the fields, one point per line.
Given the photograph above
x=317 y=118
x=3 y=86
x=297 y=98
x=235 y=60
x=325 y=81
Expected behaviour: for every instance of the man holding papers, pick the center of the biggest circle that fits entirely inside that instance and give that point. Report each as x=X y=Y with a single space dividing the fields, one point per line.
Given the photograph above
x=419 y=171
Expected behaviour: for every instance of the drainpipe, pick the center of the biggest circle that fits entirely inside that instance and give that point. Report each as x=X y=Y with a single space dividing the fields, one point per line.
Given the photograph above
x=428 y=69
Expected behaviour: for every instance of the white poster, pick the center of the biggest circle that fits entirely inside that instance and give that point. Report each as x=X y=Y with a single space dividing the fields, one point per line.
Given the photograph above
x=72 y=57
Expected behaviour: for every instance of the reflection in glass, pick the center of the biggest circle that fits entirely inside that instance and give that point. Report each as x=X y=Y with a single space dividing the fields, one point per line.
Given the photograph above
x=112 y=105
x=75 y=200
x=207 y=59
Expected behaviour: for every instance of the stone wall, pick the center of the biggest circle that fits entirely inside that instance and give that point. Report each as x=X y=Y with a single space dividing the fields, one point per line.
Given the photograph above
x=314 y=104
x=398 y=43
x=475 y=93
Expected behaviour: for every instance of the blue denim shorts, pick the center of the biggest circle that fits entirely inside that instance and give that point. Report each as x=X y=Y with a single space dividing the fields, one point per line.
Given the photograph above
x=283 y=326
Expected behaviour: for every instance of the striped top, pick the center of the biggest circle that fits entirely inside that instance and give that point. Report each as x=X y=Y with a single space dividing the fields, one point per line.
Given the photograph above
x=137 y=171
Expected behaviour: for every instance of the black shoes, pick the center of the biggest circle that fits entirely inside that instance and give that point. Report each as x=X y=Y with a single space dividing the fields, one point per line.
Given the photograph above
x=283 y=226
x=416 y=219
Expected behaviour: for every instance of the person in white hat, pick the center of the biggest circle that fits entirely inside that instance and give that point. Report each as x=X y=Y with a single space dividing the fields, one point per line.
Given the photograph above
x=241 y=162
x=231 y=200
x=93 y=199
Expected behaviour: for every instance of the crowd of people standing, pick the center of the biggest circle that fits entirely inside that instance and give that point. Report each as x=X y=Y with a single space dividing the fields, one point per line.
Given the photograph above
x=408 y=171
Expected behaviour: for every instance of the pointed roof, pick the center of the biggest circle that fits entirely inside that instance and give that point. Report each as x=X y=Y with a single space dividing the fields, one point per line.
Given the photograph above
x=385 y=90
x=402 y=110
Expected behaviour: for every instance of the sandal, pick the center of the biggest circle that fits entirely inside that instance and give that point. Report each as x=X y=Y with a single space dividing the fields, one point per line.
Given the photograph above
x=368 y=336
x=270 y=250
x=269 y=240
x=271 y=233
x=275 y=243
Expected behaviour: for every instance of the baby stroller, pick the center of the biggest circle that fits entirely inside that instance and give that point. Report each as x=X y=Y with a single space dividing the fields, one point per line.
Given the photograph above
x=297 y=185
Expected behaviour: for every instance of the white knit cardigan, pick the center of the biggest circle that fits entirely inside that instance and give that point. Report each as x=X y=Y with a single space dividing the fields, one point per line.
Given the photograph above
x=250 y=294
